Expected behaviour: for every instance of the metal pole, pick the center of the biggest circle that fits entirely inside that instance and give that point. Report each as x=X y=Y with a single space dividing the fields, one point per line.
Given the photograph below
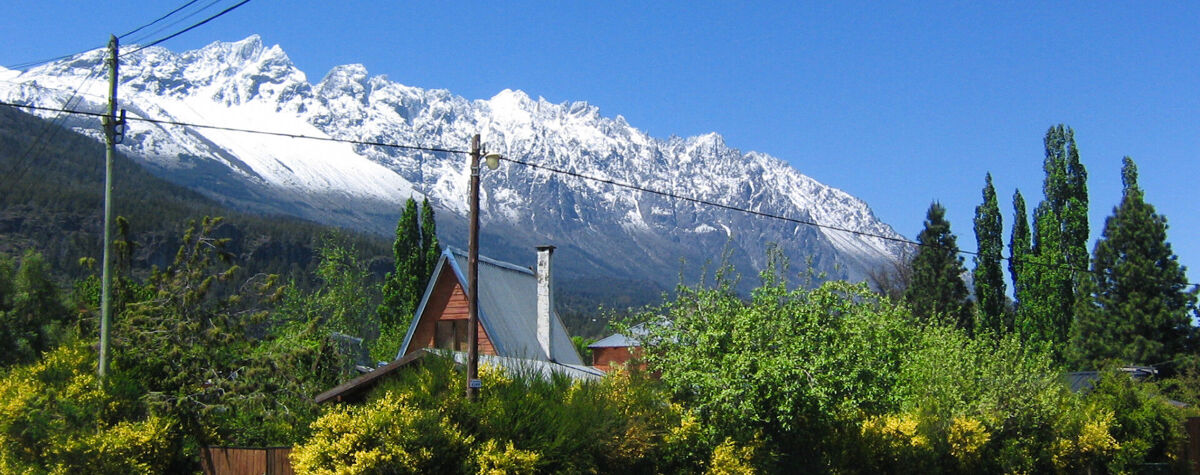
x=110 y=125
x=473 y=278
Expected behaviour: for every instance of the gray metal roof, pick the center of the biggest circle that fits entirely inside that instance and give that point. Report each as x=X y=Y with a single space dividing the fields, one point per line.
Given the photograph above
x=619 y=340
x=507 y=309
x=544 y=369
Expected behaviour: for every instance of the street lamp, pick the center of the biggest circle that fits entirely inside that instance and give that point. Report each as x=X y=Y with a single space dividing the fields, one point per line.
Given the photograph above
x=493 y=161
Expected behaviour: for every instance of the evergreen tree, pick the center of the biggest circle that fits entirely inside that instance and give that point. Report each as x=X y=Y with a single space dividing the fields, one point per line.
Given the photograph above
x=1140 y=309
x=431 y=249
x=1020 y=246
x=937 y=287
x=400 y=296
x=31 y=315
x=989 y=277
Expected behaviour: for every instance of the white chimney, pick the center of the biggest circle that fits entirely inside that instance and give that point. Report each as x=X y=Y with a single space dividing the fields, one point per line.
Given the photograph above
x=545 y=298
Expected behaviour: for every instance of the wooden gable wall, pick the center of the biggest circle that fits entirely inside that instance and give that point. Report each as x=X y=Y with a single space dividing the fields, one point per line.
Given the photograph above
x=448 y=301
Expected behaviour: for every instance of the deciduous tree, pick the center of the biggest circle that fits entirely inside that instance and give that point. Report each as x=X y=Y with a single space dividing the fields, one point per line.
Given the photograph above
x=993 y=314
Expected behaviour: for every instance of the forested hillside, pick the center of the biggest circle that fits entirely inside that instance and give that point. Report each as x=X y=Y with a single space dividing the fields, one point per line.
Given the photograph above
x=53 y=202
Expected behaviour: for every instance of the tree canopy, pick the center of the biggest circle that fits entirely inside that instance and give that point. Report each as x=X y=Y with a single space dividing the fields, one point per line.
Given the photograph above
x=1139 y=308
x=937 y=289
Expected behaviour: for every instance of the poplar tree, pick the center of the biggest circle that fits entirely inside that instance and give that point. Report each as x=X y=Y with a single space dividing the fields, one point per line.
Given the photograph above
x=1140 y=308
x=989 y=277
x=430 y=248
x=1045 y=311
x=937 y=288
x=399 y=287
x=1047 y=280
x=1019 y=247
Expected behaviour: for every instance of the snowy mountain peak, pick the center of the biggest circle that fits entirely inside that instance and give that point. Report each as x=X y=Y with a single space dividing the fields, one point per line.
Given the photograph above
x=608 y=230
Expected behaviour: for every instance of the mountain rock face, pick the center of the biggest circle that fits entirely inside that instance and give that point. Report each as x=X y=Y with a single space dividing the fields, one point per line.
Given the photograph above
x=601 y=230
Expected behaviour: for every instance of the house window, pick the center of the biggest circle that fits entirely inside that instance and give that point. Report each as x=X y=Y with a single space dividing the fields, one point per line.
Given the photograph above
x=452 y=335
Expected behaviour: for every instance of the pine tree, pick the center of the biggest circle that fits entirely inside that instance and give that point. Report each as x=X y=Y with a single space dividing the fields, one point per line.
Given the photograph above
x=989 y=277
x=937 y=288
x=430 y=248
x=1020 y=246
x=399 y=287
x=1140 y=309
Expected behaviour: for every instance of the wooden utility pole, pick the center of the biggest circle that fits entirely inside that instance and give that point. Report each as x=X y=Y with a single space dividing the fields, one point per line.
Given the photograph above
x=473 y=383
x=110 y=123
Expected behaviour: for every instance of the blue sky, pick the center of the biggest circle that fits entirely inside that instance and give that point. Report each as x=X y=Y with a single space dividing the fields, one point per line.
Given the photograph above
x=899 y=105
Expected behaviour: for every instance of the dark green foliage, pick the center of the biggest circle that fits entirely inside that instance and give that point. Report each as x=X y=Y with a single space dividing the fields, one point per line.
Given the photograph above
x=416 y=252
x=32 y=318
x=937 y=289
x=1044 y=313
x=431 y=250
x=403 y=287
x=993 y=315
x=1020 y=246
x=1147 y=428
x=1074 y=212
x=1140 y=308
x=1049 y=278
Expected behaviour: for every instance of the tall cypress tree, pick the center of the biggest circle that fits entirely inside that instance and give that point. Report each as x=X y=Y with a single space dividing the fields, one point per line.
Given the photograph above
x=430 y=248
x=1140 y=309
x=399 y=287
x=989 y=277
x=1020 y=246
x=937 y=287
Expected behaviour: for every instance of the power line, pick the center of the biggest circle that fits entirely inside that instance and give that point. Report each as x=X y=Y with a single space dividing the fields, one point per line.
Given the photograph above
x=156 y=20
x=177 y=21
x=190 y=28
x=22 y=164
x=561 y=172
x=35 y=63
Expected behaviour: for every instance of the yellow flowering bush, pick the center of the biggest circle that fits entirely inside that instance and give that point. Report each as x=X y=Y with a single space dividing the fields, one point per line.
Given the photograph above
x=729 y=458
x=389 y=434
x=894 y=442
x=493 y=461
x=966 y=436
x=1089 y=444
x=56 y=418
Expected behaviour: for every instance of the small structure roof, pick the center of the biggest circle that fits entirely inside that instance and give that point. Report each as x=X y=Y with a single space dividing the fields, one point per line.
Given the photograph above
x=620 y=340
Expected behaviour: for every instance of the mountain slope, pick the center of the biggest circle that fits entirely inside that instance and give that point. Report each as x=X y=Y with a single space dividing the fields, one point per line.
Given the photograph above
x=601 y=230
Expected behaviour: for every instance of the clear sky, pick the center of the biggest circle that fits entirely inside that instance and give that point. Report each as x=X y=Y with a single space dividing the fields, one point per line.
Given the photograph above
x=899 y=105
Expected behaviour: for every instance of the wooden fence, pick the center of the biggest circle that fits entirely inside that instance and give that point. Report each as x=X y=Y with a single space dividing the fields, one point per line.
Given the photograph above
x=246 y=461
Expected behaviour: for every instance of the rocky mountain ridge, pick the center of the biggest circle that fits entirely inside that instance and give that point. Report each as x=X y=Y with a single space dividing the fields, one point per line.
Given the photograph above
x=601 y=230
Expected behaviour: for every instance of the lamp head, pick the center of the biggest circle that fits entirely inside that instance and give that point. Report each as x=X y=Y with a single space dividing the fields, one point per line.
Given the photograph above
x=492 y=160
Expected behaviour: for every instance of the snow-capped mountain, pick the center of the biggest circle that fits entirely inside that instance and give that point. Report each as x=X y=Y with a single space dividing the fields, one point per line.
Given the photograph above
x=601 y=230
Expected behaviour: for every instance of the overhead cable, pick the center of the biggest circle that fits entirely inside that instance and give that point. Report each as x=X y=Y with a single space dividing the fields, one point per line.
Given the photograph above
x=185 y=30
x=561 y=172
